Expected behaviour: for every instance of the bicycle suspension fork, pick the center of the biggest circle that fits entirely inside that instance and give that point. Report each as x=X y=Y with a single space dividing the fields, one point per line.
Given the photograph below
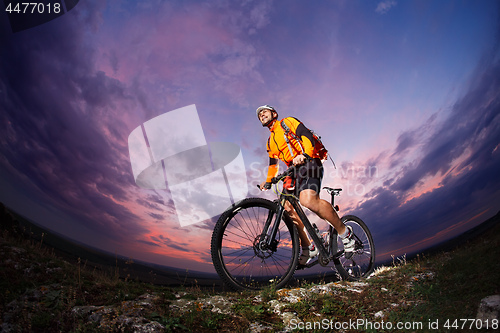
x=268 y=239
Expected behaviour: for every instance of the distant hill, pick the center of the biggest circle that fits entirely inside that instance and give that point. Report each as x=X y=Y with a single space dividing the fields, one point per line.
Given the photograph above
x=164 y=275
x=74 y=251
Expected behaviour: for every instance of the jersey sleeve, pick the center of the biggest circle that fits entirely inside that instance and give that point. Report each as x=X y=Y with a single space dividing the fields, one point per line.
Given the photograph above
x=303 y=133
x=272 y=170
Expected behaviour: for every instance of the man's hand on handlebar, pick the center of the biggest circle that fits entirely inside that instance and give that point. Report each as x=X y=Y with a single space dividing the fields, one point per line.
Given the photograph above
x=299 y=159
x=264 y=186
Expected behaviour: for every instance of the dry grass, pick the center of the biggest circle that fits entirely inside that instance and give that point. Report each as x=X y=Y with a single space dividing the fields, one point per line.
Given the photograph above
x=46 y=290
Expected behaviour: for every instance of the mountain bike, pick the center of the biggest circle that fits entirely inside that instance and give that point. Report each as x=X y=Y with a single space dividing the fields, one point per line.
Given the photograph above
x=255 y=243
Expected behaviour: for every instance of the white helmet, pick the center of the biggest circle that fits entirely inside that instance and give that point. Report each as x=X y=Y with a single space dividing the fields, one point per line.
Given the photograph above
x=265 y=107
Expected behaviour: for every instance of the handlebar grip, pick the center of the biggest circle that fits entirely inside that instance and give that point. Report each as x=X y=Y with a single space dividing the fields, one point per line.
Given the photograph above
x=267 y=186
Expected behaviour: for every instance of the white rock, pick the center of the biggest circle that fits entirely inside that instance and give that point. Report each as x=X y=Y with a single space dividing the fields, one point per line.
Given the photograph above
x=489 y=309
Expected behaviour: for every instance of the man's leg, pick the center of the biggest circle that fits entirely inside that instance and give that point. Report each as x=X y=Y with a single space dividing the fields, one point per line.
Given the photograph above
x=308 y=250
x=304 y=239
x=311 y=200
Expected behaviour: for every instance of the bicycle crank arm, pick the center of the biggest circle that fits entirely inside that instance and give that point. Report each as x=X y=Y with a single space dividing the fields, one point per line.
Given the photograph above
x=311 y=264
x=337 y=255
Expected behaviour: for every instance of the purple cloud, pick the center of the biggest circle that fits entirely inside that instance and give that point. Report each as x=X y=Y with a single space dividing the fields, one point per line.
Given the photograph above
x=470 y=134
x=63 y=136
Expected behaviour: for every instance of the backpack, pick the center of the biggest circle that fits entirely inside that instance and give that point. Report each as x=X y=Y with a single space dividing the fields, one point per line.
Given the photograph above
x=318 y=145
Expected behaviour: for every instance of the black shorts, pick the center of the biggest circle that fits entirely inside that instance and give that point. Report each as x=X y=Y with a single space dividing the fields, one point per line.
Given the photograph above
x=309 y=177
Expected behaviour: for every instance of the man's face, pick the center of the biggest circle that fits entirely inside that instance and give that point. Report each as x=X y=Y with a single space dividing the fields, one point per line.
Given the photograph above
x=265 y=117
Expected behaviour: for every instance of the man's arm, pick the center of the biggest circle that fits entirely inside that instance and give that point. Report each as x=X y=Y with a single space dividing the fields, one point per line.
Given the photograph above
x=272 y=171
x=306 y=139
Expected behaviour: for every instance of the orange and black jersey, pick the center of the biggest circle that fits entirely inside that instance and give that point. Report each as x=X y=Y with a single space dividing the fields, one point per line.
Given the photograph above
x=279 y=149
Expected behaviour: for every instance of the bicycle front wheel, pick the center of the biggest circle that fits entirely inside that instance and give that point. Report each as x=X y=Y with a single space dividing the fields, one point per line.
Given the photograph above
x=361 y=263
x=241 y=259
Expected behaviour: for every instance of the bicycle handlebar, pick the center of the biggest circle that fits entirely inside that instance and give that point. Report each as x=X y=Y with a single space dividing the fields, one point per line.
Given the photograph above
x=291 y=170
x=279 y=177
x=287 y=172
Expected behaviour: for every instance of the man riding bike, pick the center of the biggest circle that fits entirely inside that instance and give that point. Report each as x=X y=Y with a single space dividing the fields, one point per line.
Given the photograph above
x=291 y=142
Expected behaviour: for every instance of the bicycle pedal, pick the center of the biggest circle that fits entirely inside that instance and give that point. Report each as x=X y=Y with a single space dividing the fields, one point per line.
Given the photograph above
x=348 y=255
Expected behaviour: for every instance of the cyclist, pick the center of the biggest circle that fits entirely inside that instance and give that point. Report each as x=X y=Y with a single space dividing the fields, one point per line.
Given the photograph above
x=302 y=153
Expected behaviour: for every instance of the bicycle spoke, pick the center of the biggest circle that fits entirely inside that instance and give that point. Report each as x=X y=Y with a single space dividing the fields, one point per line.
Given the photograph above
x=242 y=258
x=237 y=235
x=243 y=266
x=361 y=262
x=235 y=219
x=277 y=263
x=244 y=250
x=257 y=219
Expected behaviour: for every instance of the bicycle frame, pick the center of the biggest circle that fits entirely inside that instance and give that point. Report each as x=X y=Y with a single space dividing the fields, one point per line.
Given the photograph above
x=268 y=239
x=254 y=243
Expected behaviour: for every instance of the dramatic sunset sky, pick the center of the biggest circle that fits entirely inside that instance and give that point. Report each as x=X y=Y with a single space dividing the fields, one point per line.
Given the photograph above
x=405 y=94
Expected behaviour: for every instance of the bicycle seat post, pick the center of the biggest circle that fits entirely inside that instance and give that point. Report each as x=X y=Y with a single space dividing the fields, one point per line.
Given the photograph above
x=333 y=192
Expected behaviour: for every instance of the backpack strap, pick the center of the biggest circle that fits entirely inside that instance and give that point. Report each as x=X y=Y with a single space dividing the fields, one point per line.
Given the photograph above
x=288 y=132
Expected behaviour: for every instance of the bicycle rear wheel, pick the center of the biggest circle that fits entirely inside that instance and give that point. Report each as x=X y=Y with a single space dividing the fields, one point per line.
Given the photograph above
x=361 y=263
x=238 y=256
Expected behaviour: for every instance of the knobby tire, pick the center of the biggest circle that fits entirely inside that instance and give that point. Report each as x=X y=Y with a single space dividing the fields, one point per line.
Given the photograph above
x=236 y=254
x=361 y=264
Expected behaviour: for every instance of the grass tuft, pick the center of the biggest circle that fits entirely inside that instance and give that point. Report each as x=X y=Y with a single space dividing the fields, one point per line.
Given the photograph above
x=40 y=292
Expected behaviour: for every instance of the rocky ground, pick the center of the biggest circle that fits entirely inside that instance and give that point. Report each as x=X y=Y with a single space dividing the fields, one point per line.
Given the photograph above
x=50 y=306
x=40 y=292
